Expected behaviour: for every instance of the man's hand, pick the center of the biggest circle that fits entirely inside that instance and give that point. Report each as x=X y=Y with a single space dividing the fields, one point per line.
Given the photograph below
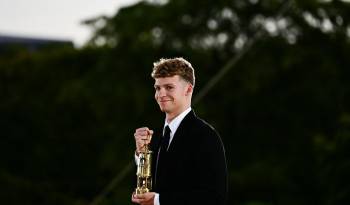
x=141 y=138
x=143 y=199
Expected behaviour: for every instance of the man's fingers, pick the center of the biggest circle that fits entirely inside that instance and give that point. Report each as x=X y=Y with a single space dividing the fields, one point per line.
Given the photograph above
x=143 y=132
x=142 y=129
x=146 y=198
x=143 y=141
x=138 y=196
x=142 y=136
x=137 y=201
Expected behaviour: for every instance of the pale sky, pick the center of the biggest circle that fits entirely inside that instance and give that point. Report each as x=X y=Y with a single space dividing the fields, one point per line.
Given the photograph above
x=57 y=19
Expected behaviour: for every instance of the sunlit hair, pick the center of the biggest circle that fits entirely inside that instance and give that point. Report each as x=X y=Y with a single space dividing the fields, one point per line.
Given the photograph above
x=169 y=67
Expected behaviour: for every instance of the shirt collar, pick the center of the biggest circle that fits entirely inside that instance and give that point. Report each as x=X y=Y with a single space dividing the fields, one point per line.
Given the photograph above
x=175 y=123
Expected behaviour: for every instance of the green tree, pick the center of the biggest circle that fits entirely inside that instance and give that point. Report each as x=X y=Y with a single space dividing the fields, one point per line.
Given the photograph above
x=282 y=110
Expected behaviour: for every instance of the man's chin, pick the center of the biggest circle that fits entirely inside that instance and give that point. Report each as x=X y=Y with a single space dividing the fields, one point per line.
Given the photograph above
x=163 y=109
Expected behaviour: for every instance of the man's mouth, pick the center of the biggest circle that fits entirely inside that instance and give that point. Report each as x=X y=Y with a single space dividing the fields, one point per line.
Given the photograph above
x=162 y=101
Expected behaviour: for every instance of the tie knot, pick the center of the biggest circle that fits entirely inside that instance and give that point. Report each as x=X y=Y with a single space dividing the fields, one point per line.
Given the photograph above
x=166 y=132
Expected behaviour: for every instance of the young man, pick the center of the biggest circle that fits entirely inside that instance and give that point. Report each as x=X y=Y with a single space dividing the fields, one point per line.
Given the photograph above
x=189 y=164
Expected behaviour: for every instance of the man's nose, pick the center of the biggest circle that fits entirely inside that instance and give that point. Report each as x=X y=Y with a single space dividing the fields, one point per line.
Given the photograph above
x=161 y=92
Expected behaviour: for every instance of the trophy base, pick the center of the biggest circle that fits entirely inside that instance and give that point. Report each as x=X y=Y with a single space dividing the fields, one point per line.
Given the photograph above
x=144 y=185
x=141 y=190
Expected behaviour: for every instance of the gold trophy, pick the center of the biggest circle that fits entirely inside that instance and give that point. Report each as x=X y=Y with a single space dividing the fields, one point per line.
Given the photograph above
x=144 y=175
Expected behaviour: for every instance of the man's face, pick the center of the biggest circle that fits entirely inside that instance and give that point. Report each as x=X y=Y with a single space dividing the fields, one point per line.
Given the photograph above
x=172 y=94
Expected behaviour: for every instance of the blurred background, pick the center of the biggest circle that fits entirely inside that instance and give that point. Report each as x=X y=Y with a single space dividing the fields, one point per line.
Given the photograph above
x=272 y=78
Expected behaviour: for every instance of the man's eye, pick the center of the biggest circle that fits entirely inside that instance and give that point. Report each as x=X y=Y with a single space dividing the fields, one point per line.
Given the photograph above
x=169 y=87
x=157 y=88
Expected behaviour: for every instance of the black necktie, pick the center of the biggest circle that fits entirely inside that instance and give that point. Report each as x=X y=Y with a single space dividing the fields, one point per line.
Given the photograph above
x=165 y=140
x=162 y=152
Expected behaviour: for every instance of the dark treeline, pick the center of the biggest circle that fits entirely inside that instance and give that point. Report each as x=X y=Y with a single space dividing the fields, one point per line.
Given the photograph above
x=283 y=111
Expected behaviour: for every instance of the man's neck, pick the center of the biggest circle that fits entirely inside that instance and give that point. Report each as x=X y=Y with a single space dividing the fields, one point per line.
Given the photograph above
x=170 y=116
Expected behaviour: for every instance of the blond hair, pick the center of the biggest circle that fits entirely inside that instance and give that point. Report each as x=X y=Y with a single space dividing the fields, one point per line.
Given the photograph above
x=168 y=67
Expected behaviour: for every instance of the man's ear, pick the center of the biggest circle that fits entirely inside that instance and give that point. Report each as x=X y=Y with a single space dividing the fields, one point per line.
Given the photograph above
x=189 y=89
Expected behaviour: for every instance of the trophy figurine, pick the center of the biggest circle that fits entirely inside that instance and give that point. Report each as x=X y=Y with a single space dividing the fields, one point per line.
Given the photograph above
x=144 y=175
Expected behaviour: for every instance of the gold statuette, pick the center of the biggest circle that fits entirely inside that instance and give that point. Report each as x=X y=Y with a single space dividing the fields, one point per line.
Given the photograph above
x=144 y=175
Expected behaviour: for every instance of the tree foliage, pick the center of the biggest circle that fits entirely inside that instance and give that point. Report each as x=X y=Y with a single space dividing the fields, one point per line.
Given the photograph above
x=283 y=112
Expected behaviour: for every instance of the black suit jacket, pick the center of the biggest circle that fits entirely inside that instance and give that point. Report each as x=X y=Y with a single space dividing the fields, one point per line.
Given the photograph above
x=193 y=171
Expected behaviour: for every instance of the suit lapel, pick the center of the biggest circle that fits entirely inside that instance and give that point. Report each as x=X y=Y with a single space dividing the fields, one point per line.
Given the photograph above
x=181 y=131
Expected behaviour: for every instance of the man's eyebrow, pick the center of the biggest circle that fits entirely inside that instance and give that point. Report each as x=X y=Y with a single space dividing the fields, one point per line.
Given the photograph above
x=166 y=84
